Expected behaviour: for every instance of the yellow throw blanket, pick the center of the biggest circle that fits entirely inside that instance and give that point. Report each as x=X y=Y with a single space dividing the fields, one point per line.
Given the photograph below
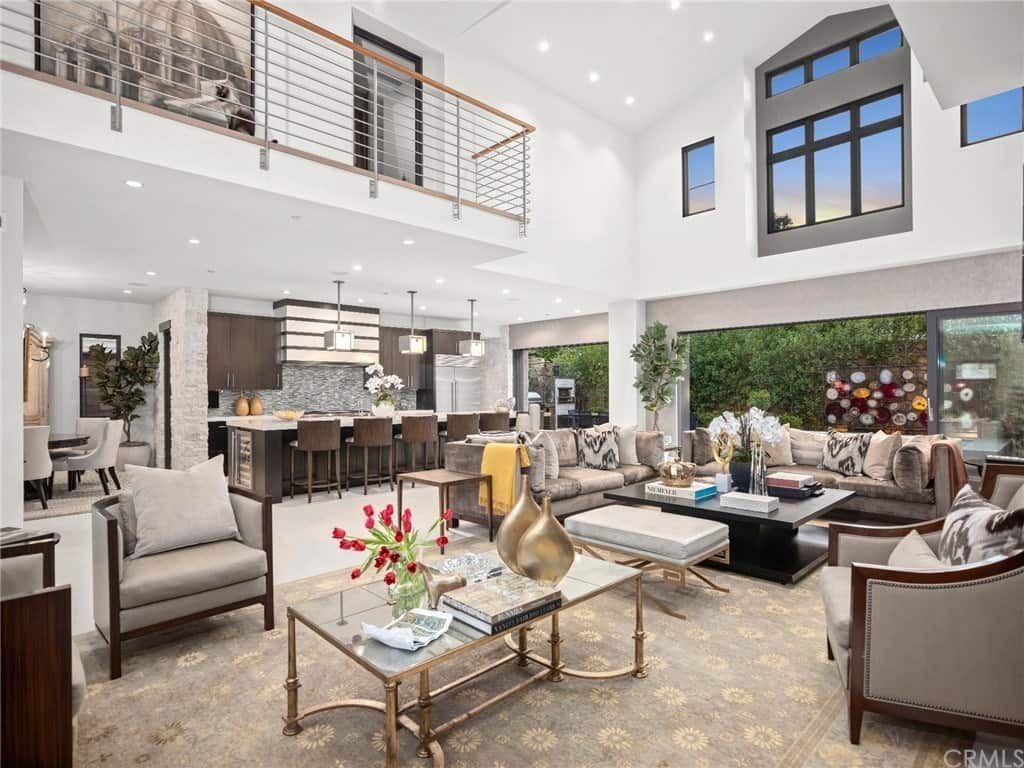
x=502 y=462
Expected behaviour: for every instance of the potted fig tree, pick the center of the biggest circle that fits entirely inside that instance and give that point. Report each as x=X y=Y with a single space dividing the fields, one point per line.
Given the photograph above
x=123 y=384
x=661 y=363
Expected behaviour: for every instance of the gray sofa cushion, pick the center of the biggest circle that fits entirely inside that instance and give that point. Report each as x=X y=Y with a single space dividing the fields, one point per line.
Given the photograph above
x=664 y=535
x=124 y=511
x=884 y=489
x=544 y=440
x=592 y=480
x=565 y=446
x=635 y=473
x=808 y=446
x=909 y=468
x=188 y=571
x=564 y=487
x=650 y=448
x=702 y=453
x=835 y=591
x=914 y=552
x=826 y=477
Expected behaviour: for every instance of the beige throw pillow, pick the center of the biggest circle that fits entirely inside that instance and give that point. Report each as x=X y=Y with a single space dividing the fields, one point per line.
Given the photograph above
x=881 y=451
x=808 y=447
x=913 y=552
x=780 y=454
x=544 y=440
x=176 y=508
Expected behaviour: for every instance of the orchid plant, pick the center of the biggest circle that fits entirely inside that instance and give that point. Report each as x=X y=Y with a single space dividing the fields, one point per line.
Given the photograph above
x=734 y=436
x=383 y=388
x=393 y=546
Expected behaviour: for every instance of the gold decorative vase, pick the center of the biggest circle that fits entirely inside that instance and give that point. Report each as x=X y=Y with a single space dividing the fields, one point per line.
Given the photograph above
x=678 y=473
x=545 y=552
x=438 y=583
x=255 y=406
x=242 y=406
x=523 y=514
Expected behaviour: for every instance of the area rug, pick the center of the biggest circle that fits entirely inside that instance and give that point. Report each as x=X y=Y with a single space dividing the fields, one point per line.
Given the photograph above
x=743 y=682
x=88 y=490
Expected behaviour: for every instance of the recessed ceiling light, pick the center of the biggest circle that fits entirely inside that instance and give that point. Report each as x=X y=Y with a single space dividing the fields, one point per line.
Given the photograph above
x=360 y=300
x=558 y=299
x=423 y=307
x=506 y=291
x=519 y=319
x=439 y=280
x=133 y=183
x=126 y=290
x=408 y=241
x=675 y=5
x=286 y=292
x=630 y=101
x=151 y=273
x=709 y=36
x=577 y=310
x=357 y=267
x=193 y=241
x=543 y=46
x=594 y=77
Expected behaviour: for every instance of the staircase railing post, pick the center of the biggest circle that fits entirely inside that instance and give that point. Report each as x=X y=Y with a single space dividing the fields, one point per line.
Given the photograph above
x=375 y=181
x=116 y=115
x=457 y=205
x=265 y=149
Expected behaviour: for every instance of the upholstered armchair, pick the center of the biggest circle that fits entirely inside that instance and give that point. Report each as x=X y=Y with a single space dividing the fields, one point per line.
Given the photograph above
x=939 y=646
x=133 y=597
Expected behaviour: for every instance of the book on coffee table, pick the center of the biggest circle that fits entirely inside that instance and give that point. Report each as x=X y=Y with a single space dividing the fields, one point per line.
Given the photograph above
x=501 y=603
x=694 y=492
x=751 y=502
x=790 y=479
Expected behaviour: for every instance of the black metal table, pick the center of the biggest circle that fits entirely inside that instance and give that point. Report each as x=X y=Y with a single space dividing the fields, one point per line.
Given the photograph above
x=777 y=546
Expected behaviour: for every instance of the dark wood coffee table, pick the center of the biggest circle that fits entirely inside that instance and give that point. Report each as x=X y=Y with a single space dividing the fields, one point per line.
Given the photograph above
x=776 y=546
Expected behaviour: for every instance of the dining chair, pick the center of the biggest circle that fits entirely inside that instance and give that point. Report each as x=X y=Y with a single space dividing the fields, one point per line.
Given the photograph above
x=103 y=458
x=91 y=427
x=38 y=465
x=370 y=432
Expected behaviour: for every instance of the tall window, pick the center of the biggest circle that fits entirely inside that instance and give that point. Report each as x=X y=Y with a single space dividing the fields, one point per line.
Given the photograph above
x=699 y=177
x=992 y=117
x=843 y=56
x=836 y=164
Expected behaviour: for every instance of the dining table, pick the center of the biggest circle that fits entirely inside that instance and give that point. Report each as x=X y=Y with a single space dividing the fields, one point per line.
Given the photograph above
x=60 y=440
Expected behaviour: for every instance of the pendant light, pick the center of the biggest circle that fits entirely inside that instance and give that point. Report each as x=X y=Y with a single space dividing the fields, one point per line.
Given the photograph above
x=412 y=344
x=471 y=347
x=338 y=340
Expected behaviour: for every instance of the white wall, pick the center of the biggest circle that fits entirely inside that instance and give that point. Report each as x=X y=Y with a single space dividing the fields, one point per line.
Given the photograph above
x=626 y=322
x=966 y=200
x=12 y=201
x=64 y=318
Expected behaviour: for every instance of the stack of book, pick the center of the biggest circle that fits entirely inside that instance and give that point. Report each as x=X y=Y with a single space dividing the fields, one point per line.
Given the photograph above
x=750 y=502
x=695 y=492
x=501 y=603
x=792 y=485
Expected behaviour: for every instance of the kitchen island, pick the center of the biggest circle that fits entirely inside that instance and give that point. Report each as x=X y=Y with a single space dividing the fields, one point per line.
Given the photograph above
x=257 y=449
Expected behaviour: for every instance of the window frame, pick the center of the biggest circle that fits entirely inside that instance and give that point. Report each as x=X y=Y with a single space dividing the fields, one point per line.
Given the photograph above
x=686 y=181
x=807 y=62
x=963 y=124
x=810 y=146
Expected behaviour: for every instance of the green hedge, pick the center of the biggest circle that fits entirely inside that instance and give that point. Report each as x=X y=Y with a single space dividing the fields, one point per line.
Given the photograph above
x=781 y=368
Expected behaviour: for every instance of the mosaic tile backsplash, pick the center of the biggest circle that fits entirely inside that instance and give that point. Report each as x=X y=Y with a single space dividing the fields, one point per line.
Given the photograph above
x=315 y=388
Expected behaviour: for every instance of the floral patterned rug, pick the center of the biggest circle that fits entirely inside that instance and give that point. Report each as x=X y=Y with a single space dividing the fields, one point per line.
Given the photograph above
x=743 y=682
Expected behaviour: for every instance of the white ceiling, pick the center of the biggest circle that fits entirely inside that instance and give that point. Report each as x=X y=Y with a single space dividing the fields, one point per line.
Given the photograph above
x=642 y=48
x=87 y=234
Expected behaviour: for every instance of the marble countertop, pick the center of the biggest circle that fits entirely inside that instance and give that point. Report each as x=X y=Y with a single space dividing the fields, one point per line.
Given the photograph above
x=271 y=423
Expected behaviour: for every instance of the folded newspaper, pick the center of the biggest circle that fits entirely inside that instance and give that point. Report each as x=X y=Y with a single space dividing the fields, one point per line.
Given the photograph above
x=412 y=630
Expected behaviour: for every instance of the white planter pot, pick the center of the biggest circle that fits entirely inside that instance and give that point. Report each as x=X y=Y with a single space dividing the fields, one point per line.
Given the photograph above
x=384 y=409
x=133 y=453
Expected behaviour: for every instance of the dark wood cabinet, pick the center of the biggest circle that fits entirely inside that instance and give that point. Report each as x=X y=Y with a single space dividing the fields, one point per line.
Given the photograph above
x=241 y=352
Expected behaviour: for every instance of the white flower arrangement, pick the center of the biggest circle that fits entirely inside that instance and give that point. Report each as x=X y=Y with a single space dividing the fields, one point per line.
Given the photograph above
x=740 y=432
x=383 y=388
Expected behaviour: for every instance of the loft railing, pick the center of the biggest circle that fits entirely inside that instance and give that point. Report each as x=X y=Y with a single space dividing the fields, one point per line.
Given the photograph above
x=270 y=77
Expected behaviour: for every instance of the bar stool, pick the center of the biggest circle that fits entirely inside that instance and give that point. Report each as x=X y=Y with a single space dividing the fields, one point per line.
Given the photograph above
x=316 y=436
x=458 y=427
x=369 y=432
x=418 y=430
x=496 y=421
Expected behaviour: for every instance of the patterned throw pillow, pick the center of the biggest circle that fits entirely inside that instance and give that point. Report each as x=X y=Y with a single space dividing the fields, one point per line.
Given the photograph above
x=976 y=530
x=845 y=452
x=596 y=450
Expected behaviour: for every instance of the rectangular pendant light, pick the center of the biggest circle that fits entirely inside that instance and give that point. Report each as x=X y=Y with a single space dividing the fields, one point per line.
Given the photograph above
x=413 y=343
x=337 y=340
x=472 y=347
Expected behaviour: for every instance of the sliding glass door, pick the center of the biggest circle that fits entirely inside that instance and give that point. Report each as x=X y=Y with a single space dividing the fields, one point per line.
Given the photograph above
x=977 y=378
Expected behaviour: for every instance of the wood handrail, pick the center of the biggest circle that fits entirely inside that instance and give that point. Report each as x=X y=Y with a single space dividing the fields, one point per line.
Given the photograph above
x=499 y=144
x=326 y=33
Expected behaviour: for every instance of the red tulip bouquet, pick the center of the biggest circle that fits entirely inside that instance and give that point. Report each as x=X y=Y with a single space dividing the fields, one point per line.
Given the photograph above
x=393 y=547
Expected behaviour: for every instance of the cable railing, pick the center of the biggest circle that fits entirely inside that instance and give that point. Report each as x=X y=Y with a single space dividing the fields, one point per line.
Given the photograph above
x=267 y=76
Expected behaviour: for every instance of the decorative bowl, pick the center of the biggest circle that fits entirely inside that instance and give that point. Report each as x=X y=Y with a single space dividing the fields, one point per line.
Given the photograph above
x=288 y=415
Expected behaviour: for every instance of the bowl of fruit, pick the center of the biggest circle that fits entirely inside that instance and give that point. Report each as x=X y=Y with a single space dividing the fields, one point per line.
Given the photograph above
x=288 y=414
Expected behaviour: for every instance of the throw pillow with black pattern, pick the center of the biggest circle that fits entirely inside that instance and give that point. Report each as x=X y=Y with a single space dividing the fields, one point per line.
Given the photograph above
x=596 y=450
x=975 y=530
x=845 y=452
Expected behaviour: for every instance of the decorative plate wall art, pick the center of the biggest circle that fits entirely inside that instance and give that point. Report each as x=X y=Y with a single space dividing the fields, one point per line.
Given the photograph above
x=868 y=398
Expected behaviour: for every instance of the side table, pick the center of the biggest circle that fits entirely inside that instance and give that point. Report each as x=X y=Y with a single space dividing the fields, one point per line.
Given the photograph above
x=443 y=480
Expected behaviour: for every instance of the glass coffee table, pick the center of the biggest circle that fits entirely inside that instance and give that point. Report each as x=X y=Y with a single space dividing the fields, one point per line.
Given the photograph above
x=338 y=618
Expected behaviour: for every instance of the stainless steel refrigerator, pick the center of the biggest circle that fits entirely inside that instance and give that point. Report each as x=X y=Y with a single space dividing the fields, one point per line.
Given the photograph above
x=456 y=383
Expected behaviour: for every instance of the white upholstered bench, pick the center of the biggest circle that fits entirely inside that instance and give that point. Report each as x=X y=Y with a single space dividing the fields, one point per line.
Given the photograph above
x=649 y=539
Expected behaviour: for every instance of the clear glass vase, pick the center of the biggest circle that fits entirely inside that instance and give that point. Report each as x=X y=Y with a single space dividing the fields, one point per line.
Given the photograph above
x=758 y=470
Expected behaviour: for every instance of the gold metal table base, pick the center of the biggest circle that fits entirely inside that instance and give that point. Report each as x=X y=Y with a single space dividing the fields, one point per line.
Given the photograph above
x=427 y=735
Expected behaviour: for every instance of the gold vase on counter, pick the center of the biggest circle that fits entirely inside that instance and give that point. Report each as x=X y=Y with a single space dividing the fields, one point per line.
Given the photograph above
x=242 y=406
x=545 y=552
x=519 y=519
x=255 y=405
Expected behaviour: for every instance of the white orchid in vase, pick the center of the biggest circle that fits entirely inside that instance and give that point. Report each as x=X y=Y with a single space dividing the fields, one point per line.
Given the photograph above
x=384 y=389
x=744 y=438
